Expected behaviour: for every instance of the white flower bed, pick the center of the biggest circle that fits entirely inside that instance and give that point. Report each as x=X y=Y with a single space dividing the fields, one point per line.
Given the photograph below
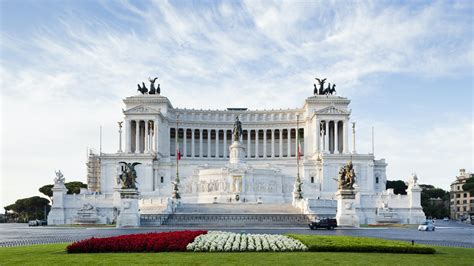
x=226 y=241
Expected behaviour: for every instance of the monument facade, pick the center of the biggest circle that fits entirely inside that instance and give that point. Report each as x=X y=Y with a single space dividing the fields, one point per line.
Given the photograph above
x=237 y=156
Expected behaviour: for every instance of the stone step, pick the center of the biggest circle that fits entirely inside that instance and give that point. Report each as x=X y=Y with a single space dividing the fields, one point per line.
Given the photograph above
x=236 y=208
x=227 y=220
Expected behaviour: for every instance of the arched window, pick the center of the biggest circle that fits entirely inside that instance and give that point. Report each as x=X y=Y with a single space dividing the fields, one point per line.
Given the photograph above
x=376 y=179
x=312 y=179
x=161 y=179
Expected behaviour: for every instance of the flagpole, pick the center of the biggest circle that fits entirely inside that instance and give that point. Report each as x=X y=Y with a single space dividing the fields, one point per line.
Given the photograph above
x=297 y=195
x=298 y=150
x=177 y=148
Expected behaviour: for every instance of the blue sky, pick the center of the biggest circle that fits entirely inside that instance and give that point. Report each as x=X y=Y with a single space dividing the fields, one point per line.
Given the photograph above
x=65 y=66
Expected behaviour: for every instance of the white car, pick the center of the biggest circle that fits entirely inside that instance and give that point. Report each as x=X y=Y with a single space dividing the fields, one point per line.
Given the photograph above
x=426 y=226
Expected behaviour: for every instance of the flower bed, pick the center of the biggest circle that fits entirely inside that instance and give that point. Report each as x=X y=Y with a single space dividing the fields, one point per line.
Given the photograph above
x=150 y=242
x=225 y=241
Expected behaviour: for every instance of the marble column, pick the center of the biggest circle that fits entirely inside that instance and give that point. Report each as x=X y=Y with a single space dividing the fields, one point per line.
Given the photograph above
x=209 y=143
x=326 y=137
x=192 y=143
x=185 y=142
x=137 y=136
x=200 y=142
x=273 y=143
x=344 y=137
x=157 y=145
x=336 y=140
x=176 y=142
x=296 y=141
x=248 y=143
x=217 y=143
x=265 y=143
x=256 y=143
x=145 y=149
x=226 y=149
x=288 y=142
x=281 y=143
x=317 y=136
x=128 y=135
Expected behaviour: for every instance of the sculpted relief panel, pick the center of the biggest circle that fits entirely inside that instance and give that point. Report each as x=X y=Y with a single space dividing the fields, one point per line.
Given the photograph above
x=267 y=187
x=206 y=186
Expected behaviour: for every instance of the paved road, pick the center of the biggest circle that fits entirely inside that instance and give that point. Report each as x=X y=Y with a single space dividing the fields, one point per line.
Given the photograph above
x=446 y=234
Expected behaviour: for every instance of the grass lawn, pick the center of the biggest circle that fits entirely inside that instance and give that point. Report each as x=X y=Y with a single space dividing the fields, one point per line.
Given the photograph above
x=359 y=244
x=54 y=254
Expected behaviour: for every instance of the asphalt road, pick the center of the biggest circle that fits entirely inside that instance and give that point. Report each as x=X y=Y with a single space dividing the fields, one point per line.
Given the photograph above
x=446 y=234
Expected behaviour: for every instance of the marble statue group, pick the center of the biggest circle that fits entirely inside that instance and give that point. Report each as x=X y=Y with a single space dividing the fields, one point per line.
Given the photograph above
x=153 y=90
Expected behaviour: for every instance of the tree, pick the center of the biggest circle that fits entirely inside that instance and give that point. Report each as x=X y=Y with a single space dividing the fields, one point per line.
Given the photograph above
x=29 y=208
x=399 y=186
x=47 y=190
x=431 y=206
x=74 y=187
x=469 y=185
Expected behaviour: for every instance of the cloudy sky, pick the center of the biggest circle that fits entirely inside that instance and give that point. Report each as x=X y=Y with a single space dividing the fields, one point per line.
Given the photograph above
x=66 y=65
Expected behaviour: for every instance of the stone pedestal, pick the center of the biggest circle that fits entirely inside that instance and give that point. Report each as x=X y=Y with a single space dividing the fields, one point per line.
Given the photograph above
x=57 y=215
x=236 y=153
x=129 y=215
x=346 y=213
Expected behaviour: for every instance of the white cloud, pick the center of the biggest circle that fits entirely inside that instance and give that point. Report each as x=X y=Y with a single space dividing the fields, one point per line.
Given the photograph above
x=434 y=152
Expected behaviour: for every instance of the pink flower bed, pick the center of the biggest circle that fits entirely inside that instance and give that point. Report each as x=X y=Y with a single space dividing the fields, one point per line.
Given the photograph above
x=150 y=242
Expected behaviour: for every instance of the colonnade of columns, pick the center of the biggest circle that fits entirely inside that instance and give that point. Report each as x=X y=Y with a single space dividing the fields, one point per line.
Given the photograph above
x=141 y=137
x=331 y=136
x=214 y=143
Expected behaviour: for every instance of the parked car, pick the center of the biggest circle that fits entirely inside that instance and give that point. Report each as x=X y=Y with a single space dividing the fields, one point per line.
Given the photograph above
x=426 y=226
x=323 y=223
x=37 y=223
x=446 y=219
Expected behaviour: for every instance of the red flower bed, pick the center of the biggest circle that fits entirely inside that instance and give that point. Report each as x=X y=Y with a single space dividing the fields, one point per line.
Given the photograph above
x=150 y=242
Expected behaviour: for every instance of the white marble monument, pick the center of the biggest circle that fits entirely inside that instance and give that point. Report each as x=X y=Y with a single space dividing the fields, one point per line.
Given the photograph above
x=258 y=165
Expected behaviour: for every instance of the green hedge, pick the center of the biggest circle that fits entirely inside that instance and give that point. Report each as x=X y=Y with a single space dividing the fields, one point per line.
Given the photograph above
x=359 y=244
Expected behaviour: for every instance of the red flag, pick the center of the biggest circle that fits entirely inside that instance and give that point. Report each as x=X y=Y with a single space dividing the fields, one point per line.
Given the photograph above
x=178 y=152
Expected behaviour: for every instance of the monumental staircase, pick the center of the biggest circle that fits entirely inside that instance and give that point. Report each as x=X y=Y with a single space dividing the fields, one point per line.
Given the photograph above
x=229 y=215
